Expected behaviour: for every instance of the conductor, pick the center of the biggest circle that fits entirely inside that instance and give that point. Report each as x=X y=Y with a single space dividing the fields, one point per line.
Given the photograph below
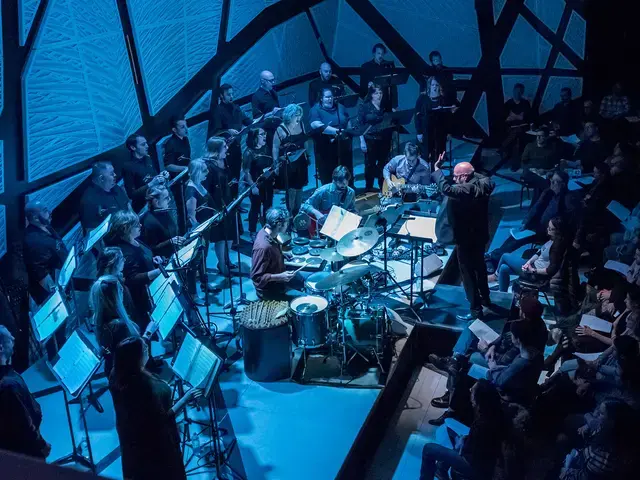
x=468 y=212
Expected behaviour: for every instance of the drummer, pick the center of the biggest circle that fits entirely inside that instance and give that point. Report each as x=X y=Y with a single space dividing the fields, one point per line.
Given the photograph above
x=271 y=280
x=338 y=192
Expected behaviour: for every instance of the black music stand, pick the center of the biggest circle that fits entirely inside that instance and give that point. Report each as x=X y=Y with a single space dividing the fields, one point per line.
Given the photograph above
x=75 y=364
x=97 y=234
x=392 y=79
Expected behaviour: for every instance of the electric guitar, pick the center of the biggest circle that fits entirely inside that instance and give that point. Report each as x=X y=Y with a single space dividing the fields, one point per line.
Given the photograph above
x=401 y=187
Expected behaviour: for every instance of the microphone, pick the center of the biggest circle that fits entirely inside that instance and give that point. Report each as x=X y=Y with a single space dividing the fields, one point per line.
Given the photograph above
x=163 y=271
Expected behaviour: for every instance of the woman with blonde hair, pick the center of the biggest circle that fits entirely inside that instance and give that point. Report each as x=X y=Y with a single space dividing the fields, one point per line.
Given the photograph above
x=434 y=119
x=140 y=266
x=288 y=138
x=160 y=229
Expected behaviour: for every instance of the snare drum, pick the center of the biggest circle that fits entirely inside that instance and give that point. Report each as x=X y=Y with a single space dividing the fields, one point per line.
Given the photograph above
x=309 y=320
x=312 y=281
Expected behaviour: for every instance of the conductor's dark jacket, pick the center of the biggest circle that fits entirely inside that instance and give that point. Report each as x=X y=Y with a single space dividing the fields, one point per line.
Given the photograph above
x=467 y=207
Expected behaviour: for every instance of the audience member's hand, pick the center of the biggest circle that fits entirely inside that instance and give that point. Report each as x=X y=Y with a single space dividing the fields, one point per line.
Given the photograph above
x=584 y=331
x=604 y=295
x=492 y=363
x=583 y=431
x=491 y=354
x=482 y=345
x=582 y=387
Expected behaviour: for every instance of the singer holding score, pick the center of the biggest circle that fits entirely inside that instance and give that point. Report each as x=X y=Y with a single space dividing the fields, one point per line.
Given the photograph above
x=159 y=227
x=375 y=144
x=254 y=162
x=146 y=415
x=140 y=266
x=433 y=119
x=330 y=146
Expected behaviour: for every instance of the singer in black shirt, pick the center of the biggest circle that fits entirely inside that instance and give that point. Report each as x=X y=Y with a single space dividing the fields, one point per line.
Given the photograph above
x=377 y=67
x=228 y=115
x=433 y=120
x=376 y=144
x=159 y=227
x=254 y=161
x=177 y=149
x=326 y=80
x=139 y=173
x=265 y=100
x=444 y=77
x=102 y=197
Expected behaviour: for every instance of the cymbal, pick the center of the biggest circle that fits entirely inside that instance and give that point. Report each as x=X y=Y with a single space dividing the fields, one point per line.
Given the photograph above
x=343 y=277
x=330 y=255
x=358 y=242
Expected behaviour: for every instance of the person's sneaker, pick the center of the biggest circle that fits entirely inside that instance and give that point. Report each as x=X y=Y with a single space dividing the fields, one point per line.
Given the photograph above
x=440 y=420
x=443 y=364
x=441 y=402
x=468 y=317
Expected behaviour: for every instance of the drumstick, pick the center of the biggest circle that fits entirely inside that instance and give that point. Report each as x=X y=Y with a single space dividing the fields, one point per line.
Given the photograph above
x=303 y=265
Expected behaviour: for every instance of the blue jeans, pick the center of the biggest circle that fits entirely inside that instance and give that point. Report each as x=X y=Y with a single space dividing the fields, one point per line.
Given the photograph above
x=467 y=341
x=432 y=453
x=510 y=263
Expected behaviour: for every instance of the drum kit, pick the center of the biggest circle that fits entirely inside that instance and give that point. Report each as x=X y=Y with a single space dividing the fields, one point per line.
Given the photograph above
x=337 y=313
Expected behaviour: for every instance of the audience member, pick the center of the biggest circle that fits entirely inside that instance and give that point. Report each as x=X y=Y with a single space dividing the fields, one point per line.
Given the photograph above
x=102 y=197
x=20 y=414
x=177 y=149
x=591 y=150
x=518 y=116
x=589 y=114
x=566 y=114
x=540 y=154
x=615 y=105
x=556 y=201
x=145 y=416
x=475 y=454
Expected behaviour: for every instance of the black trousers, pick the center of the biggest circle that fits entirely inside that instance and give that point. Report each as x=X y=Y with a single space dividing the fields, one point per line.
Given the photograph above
x=331 y=154
x=474 y=274
x=376 y=158
x=260 y=204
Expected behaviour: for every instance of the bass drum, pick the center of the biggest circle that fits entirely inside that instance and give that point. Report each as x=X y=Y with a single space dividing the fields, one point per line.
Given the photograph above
x=366 y=327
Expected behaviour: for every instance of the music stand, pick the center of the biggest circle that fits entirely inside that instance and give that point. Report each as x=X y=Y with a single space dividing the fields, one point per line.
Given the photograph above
x=49 y=317
x=95 y=235
x=348 y=101
x=167 y=311
x=339 y=222
x=68 y=267
x=392 y=79
x=74 y=366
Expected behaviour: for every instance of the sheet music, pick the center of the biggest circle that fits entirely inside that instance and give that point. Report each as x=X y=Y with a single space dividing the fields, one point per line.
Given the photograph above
x=421 y=227
x=186 y=356
x=520 y=234
x=339 y=222
x=619 y=210
x=619 y=267
x=203 y=226
x=160 y=283
x=185 y=254
x=163 y=304
x=97 y=233
x=543 y=377
x=76 y=363
x=171 y=317
x=203 y=367
x=588 y=180
x=68 y=267
x=483 y=331
x=478 y=372
x=572 y=139
x=572 y=186
x=596 y=323
x=49 y=317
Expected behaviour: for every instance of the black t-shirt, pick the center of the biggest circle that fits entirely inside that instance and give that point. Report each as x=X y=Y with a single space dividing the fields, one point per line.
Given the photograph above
x=368 y=72
x=174 y=148
x=229 y=116
x=136 y=173
x=256 y=161
x=96 y=204
x=44 y=252
x=523 y=107
x=264 y=102
x=159 y=226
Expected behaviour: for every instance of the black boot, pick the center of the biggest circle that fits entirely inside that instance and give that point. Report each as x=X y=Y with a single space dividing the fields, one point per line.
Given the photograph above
x=441 y=402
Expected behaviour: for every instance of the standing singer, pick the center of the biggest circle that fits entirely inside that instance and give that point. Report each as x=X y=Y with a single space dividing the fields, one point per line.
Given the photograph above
x=433 y=119
x=375 y=144
x=377 y=67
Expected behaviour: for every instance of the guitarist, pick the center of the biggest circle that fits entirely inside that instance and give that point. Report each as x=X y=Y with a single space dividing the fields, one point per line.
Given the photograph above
x=408 y=172
x=338 y=192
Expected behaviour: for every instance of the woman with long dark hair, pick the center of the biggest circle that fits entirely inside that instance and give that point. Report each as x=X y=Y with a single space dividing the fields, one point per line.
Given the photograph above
x=145 y=416
x=140 y=266
x=376 y=144
x=254 y=161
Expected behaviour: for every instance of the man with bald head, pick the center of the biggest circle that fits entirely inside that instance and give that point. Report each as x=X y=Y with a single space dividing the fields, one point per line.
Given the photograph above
x=326 y=80
x=265 y=100
x=44 y=251
x=468 y=212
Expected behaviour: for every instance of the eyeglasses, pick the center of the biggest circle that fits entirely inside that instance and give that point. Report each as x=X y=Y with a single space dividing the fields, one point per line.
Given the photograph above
x=262 y=134
x=270 y=80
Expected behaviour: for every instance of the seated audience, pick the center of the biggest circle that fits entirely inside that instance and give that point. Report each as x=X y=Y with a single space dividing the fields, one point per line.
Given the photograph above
x=591 y=150
x=545 y=263
x=589 y=114
x=102 y=197
x=159 y=226
x=594 y=208
x=556 y=201
x=140 y=266
x=540 y=155
x=145 y=416
x=615 y=105
x=518 y=116
x=20 y=414
x=566 y=114
x=475 y=454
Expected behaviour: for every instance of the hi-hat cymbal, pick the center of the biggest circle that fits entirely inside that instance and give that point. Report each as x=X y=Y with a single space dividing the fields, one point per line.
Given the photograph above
x=343 y=277
x=358 y=242
x=330 y=255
